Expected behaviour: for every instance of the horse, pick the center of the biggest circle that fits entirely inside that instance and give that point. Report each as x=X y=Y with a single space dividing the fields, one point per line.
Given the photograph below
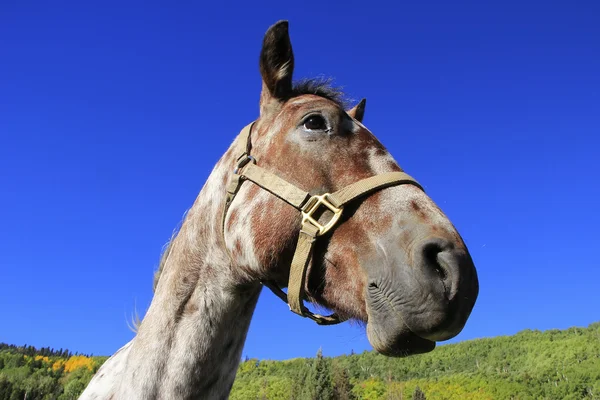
x=307 y=198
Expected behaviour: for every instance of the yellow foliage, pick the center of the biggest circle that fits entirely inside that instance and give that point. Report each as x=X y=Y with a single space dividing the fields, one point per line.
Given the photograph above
x=43 y=358
x=76 y=362
x=59 y=363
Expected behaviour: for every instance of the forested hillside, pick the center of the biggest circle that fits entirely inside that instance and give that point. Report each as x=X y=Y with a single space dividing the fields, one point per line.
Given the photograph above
x=529 y=365
x=30 y=373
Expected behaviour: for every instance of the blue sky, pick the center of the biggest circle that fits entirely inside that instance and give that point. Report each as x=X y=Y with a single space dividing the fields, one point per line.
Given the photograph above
x=112 y=117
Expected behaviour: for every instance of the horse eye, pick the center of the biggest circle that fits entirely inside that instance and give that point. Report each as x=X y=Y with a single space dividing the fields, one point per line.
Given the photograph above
x=315 y=123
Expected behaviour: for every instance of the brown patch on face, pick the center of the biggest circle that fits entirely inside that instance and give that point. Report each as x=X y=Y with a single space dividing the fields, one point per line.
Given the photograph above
x=451 y=234
x=380 y=151
x=422 y=215
x=393 y=167
x=415 y=206
x=347 y=294
x=386 y=220
x=275 y=225
x=253 y=191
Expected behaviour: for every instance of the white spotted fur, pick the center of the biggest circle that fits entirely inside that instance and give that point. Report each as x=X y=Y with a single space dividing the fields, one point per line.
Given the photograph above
x=179 y=356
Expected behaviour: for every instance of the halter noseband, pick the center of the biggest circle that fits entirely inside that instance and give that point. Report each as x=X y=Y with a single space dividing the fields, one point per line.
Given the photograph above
x=310 y=229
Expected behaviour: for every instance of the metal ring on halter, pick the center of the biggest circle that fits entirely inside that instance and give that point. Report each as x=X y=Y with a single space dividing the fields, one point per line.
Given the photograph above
x=242 y=163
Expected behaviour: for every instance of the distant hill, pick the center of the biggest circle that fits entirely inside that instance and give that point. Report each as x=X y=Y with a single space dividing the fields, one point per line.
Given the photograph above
x=44 y=374
x=553 y=364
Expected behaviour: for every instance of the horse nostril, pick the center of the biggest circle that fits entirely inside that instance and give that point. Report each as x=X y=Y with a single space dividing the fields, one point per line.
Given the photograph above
x=430 y=256
x=432 y=261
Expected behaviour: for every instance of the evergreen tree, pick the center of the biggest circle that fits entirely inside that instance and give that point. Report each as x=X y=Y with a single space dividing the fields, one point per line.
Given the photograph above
x=17 y=394
x=6 y=388
x=302 y=383
x=418 y=394
x=319 y=382
x=342 y=388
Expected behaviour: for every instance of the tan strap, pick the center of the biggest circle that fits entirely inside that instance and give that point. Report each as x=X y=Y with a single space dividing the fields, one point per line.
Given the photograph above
x=274 y=184
x=236 y=182
x=368 y=185
x=298 y=270
x=299 y=266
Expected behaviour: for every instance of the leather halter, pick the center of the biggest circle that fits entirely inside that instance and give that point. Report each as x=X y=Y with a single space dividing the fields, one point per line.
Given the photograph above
x=311 y=228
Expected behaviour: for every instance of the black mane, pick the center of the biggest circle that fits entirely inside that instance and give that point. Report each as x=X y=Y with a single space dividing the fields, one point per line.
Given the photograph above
x=322 y=88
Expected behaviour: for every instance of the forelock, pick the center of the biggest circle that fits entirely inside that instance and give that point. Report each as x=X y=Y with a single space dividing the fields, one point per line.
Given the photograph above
x=320 y=87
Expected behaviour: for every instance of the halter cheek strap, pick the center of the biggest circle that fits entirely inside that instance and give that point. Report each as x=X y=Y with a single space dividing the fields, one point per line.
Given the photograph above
x=311 y=228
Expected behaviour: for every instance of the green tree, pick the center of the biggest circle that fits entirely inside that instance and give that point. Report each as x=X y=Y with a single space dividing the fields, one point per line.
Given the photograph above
x=342 y=388
x=17 y=394
x=73 y=389
x=371 y=389
x=319 y=383
x=418 y=394
x=6 y=387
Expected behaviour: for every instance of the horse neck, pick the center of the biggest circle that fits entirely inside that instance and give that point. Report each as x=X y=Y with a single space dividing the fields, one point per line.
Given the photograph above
x=190 y=342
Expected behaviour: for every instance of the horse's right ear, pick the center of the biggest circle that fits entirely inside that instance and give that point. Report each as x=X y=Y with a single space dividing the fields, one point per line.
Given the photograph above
x=276 y=66
x=358 y=111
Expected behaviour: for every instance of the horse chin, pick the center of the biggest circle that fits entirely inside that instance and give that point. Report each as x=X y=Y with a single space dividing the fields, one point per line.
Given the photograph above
x=397 y=342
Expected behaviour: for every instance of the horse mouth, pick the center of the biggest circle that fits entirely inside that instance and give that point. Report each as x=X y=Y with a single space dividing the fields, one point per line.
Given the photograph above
x=402 y=343
x=390 y=335
x=396 y=330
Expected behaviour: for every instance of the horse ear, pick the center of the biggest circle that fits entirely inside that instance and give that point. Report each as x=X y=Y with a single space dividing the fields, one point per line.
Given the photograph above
x=276 y=65
x=358 y=112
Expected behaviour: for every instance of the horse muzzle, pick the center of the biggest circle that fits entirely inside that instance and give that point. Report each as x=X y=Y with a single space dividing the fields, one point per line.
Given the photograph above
x=410 y=306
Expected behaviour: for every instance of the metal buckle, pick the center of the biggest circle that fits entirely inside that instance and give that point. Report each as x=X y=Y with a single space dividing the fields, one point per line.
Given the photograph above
x=242 y=161
x=313 y=205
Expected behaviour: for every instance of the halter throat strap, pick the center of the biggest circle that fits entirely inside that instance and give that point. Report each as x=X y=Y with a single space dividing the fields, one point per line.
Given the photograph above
x=311 y=228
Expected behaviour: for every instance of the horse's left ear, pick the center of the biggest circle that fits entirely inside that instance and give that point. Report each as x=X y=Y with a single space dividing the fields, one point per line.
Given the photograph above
x=358 y=111
x=276 y=66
